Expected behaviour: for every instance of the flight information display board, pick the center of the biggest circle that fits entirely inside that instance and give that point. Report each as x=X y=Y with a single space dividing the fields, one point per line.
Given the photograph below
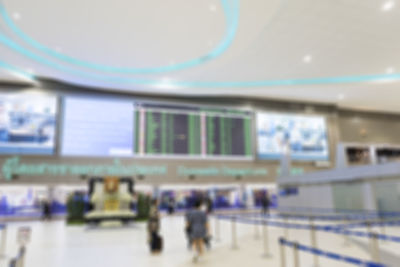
x=192 y=131
x=169 y=133
x=27 y=123
x=97 y=127
x=304 y=136
x=228 y=136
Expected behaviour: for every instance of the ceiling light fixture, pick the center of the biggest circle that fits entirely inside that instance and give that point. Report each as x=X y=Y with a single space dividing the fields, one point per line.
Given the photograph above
x=30 y=71
x=307 y=58
x=388 y=5
x=213 y=8
x=340 y=96
x=166 y=83
x=16 y=15
x=390 y=70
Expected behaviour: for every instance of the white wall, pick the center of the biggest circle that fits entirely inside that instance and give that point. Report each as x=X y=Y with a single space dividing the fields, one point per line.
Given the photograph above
x=315 y=196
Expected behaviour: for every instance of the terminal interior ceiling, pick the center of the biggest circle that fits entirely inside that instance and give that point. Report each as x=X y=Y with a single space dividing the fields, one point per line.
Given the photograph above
x=199 y=133
x=329 y=52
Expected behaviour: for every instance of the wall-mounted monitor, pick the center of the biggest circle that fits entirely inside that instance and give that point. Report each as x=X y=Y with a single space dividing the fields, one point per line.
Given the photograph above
x=27 y=123
x=97 y=127
x=304 y=136
x=193 y=131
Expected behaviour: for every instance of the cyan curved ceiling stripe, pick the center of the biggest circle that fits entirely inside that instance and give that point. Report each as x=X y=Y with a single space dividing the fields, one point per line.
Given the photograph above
x=66 y=69
x=199 y=84
x=191 y=84
x=16 y=70
x=231 y=11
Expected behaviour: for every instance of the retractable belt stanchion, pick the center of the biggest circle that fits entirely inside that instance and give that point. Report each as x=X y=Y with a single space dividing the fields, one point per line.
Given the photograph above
x=21 y=261
x=234 y=237
x=383 y=229
x=265 y=238
x=3 y=242
x=313 y=236
x=375 y=247
x=368 y=224
x=286 y=229
x=217 y=228
x=346 y=237
x=282 y=252
x=296 y=259
x=257 y=229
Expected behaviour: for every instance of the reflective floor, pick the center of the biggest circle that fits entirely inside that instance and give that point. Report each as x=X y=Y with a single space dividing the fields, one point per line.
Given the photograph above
x=55 y=244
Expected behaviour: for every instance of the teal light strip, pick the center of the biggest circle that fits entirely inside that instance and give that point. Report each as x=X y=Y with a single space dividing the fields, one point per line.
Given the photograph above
x=15 y=70
x=231 y=11
x=185 y=84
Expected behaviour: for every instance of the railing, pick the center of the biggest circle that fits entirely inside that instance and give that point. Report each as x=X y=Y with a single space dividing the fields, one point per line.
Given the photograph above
x=340 y=229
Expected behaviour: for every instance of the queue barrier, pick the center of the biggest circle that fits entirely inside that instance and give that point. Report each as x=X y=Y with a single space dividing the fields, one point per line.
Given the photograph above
x=3 y=241
x=335 y=211
x=336 y=217
x=334 y=256
x=373 y=237
x=331 y=229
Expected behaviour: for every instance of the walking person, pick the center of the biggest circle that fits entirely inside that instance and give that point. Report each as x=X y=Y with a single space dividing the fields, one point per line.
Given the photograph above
x=46 y=208
x=171 y=205
x=153 y=228
x=210 y=205
x=265 y=203
x=197 y=223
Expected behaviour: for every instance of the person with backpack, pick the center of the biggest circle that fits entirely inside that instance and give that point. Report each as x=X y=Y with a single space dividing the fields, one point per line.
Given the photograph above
x=153 y=228
x=197 y=228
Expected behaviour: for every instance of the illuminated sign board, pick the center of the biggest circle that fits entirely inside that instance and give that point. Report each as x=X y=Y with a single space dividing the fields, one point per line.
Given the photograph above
x=13 y=166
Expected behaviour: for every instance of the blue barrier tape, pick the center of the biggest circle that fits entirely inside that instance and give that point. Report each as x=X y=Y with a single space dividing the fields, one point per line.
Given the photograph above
x=336 y=230
x=327 y=210
x=339 y=228
x=330 y=255
x=324 y=218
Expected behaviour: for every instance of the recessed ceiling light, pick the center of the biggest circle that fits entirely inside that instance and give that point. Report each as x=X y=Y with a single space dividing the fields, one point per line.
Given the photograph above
x=340 y=96
x=166 y=83
x=30 y=71
x=16 y=15
x=390 y=70
x=307 y=58
x=388 y=5
x=213 y=7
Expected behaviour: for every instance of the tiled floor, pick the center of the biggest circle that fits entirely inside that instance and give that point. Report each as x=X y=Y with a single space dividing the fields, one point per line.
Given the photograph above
x=55 y=244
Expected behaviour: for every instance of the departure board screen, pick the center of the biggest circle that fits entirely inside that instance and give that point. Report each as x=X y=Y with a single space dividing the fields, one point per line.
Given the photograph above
x=102 y=127
x=97 y=127
x=192 y=131
x=228 y=136
x=170 y=133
